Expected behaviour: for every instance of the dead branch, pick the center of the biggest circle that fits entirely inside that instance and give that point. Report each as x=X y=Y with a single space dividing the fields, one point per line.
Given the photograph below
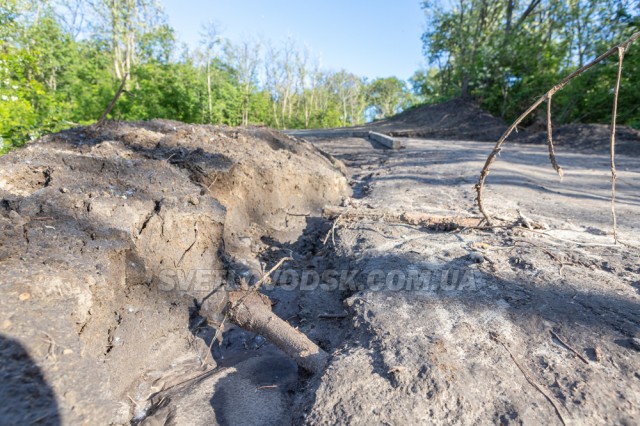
x=552 y=153
x=106 y=112
x=434 y=222
x=498 y=147
x=612 y=146
x=494 y=336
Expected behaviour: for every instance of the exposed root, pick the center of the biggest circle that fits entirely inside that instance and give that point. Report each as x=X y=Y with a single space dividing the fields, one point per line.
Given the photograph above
x=433 y=222
x=249 y=309
x=252 y=311
x=496 y=338
x=552 y=153
x=547 y=96
x=566 y=345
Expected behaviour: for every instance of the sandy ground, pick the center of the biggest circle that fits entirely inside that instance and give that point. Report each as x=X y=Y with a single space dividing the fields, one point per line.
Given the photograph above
x=114 y=247
x=450 y=325
x=514 y=326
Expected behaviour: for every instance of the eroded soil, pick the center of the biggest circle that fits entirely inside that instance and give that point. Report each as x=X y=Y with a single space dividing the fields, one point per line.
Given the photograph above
x=114 y=245
x=536 y=321
x=488 y=334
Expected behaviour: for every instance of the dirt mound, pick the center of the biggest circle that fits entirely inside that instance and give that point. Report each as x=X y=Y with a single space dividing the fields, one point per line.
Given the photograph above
x=587 y=137
x=456 y=119
x=460 y=119
x=110 y=240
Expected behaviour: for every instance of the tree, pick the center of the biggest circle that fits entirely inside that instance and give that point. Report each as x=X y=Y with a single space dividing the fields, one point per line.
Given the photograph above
x=209 y=40
x=122 y=23
x=244 y=58
x=387 y=96
x=504 y=53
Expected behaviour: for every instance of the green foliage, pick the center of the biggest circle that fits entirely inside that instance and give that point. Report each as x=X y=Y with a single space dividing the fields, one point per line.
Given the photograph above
x=507 y=53
x=29 y=63
x=57 y=73
x=387 y=96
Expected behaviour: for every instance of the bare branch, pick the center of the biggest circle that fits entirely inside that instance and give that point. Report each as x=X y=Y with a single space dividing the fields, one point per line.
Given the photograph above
x=106 y=112
x=552 y=153
x=612 y=146
x=498 y=147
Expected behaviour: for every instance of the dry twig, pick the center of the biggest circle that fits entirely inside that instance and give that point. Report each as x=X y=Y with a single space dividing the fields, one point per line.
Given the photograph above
x=494 y=336
x=106 y=112
x=552 y=153
x=566 y=345
x=267 y=387
x=547 y=96
x=332 y=232
x=612 y=145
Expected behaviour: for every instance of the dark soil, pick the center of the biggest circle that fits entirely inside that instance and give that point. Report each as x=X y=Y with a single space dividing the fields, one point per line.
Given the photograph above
x=112 y=240
x=115 y=244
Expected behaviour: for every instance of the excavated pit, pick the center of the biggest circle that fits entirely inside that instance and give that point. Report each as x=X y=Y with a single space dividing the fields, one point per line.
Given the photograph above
x=110 y=241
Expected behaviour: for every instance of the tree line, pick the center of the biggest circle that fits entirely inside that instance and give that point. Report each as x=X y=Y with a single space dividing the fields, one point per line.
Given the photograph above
x=61 y=61
x=506 y=53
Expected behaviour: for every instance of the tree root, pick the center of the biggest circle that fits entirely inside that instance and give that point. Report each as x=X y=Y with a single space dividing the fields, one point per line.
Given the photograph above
x=433 y=222
x=620 y=50
x=252 y=311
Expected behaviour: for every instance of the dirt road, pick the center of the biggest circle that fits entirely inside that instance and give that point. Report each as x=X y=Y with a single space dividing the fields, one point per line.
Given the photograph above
x=505 y=326
x=424 y=323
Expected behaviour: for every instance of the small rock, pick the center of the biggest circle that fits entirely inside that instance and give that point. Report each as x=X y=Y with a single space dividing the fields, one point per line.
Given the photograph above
x=64 y=190
x=18 y=220
x=24 y=296
x=67 y=351
x=476 y=257
x=635 y=343
x=598 y=354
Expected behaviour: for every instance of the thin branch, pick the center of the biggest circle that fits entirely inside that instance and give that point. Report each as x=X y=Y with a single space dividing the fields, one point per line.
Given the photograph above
x=526 y=13
x=612 y=146
x=267 y=276
x=498 y=147
x=526 y=375
x=106 y=112
x=552 y=153
x=332 y=232
x=566 y=345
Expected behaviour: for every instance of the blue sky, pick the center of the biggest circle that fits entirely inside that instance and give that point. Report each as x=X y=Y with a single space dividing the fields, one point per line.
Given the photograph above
x=372 y=38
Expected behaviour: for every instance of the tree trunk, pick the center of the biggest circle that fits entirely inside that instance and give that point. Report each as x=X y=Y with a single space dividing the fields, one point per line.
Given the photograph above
x=209 y=91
